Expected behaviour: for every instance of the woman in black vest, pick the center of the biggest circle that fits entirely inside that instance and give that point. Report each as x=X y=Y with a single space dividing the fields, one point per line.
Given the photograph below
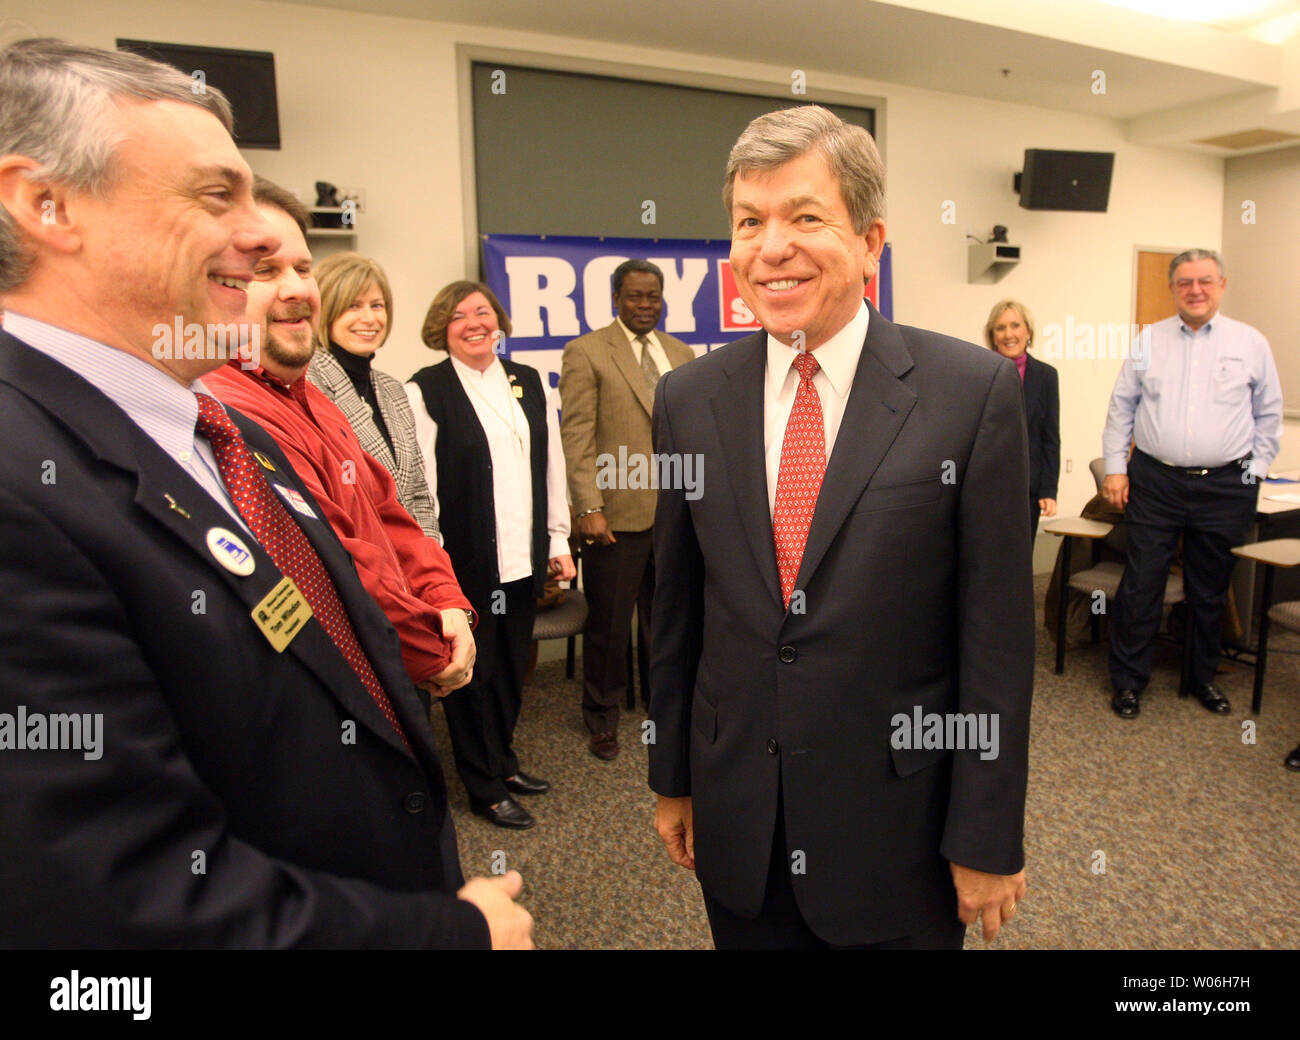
x=1010 y=331
x=495 y=466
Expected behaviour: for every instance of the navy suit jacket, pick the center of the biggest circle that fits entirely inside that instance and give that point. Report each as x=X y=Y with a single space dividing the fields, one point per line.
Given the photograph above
x=244 y=797
x=917 y=594
x=1043 y=418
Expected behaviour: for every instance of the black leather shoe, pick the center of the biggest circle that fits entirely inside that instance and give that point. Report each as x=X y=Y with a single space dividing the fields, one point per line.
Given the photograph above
x=508 y=813
x=1211 y=699
x=1126 y=705
x=522 y=783
x=1292 y=761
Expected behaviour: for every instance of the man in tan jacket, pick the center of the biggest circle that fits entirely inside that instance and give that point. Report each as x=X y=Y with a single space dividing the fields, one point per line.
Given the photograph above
x=607 y=382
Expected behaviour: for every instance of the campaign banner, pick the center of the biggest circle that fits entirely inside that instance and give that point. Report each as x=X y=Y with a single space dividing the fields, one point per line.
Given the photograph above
x=556 y=288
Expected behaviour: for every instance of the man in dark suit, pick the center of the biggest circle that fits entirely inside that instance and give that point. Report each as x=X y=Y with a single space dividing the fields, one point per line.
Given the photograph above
x=263 y=772
x=607 y=385
x=849 y=599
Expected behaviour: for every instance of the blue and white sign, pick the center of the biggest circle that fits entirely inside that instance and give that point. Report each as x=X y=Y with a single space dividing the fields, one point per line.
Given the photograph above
x=556 y=288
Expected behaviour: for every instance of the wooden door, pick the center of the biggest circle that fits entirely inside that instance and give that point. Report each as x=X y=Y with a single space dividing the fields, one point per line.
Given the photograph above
x=1153 y=300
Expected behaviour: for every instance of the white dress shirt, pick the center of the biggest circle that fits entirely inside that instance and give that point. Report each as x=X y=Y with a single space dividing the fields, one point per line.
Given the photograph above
x=510 y=445
x=838 y=358
x=166 y=411
x=657 y=354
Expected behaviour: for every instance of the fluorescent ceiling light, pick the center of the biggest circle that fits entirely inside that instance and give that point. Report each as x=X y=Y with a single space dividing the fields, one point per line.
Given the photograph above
x=1203 y=10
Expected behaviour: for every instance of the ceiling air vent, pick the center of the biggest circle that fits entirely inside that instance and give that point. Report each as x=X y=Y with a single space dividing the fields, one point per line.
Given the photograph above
x=1249 y=139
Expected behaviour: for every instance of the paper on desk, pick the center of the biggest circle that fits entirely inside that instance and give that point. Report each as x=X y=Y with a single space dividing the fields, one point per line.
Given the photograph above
x=1294 y=499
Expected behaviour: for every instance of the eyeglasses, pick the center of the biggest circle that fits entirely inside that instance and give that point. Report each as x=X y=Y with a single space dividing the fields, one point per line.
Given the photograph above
x=1183 y=284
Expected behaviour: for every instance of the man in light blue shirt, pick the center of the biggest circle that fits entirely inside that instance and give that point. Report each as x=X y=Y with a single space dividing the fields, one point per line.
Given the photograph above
x=1200 y=400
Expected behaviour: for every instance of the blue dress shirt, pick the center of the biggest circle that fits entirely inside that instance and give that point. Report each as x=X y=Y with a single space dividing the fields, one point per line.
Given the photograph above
x=1200 y=398
x=157 y=403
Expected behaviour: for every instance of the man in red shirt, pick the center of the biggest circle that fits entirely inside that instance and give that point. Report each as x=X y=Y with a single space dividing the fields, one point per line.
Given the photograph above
x=408 y=573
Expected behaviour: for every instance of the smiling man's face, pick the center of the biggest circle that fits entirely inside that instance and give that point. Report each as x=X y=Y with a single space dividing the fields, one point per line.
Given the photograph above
x=177 y=233
x=1198 y=288
x=284 y=295
x=640 y=301
x=799 y=264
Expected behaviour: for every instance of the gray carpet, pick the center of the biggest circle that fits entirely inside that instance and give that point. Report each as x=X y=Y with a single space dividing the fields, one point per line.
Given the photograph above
x=1199 y=830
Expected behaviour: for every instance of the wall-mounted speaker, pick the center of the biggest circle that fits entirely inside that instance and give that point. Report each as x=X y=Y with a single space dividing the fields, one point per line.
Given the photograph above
x=1065 y=180
x=247 y=78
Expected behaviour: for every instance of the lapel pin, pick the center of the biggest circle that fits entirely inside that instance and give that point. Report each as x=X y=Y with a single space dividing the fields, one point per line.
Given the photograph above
x=230 y=551
x=266 y=463
x=175 y=508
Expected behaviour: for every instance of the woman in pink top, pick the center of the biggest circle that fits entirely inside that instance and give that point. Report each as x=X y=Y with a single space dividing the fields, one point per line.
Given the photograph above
x=1010 y=331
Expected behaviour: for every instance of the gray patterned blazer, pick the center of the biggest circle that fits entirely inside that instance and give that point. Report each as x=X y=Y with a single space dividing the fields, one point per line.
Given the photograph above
x=408 y=466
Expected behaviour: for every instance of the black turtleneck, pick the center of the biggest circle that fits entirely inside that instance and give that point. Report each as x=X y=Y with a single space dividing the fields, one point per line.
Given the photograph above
x=357 y=368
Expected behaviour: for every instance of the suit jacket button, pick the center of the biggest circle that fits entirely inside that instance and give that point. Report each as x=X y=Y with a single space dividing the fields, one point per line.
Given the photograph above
x=772 y=746
x=787 y=655
x=414 y=802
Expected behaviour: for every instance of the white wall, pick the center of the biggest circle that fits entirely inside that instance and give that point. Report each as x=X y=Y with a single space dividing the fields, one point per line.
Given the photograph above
x=372 y=101
x=1076 y=267
x=1259 y=256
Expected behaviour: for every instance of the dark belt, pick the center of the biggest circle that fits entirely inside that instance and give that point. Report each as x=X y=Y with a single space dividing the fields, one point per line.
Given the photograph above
x=1195 y=471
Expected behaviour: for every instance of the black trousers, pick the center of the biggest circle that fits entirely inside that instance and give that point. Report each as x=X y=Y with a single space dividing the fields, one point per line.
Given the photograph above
x=616 y=578
x=481 y=715
x=1211 y=513
x=780 y=926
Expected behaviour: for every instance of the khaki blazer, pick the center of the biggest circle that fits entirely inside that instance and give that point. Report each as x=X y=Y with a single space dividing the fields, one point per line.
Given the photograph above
x=605 y=404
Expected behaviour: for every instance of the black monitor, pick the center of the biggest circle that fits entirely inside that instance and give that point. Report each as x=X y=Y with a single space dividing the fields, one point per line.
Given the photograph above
x=247 y=78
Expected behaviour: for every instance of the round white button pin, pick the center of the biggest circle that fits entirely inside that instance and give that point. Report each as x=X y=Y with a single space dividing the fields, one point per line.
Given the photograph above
x=230 y=551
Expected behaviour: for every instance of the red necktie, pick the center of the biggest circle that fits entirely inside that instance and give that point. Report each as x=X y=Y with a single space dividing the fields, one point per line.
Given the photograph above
x=285 y=543
x=798 y=481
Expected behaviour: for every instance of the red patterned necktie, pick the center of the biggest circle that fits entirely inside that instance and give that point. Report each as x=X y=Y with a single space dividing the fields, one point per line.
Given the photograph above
x=283 y=540
x=798 y=481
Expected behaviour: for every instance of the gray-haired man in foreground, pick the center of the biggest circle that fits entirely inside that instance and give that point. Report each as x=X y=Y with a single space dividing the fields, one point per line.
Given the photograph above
x=267 y=775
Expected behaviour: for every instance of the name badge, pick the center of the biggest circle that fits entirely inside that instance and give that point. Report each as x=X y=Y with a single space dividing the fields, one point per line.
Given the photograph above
x=230 y=551
x=282 y=614
x=295 y=499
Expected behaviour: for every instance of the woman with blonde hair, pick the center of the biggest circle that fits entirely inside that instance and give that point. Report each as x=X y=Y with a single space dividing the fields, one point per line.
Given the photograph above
x=1010 y=332
x=356 y=315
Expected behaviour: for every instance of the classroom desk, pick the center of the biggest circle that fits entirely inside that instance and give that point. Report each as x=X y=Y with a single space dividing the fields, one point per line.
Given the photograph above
x=1273 y=519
